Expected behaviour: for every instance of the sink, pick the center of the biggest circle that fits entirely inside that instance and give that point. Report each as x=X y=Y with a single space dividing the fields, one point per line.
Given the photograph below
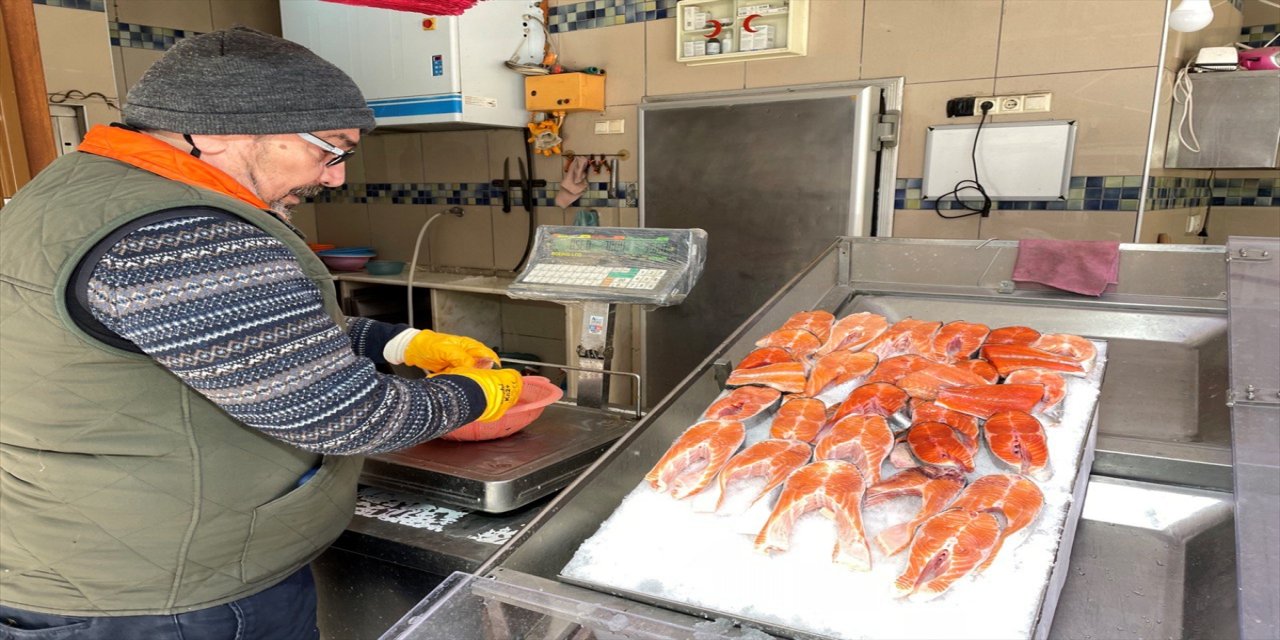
x=1151 y=561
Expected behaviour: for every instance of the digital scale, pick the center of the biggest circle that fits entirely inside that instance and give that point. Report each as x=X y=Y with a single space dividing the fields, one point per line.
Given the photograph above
x=601 y=267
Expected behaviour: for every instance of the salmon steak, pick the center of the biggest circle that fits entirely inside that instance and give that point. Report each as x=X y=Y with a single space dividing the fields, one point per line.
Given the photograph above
x=799 y=418
x=773 y=459
x=1055 y=387
x=958 y=340
x=863 y=440
x=765 y=356
x=742 y=403
x=877 y=399
x=799 y=342
x=1017 y=439
x=988 y=399
x=925 y=383
x=967 y=425
x=1023 y=336
x=907 y=336
x=897 y=368
x=1008 y=358
x=938 y=445
x=787 y=377
x=1015 y=499
x=935 y=493
x=816 y=322
x=833 y=486
x=696 y=457
x=1079 y=350
x=947 y=547
x=982 y=368
x=853 y=332
x=837 y=368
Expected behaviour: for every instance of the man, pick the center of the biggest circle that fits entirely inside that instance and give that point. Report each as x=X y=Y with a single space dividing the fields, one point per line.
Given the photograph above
x=182 y=405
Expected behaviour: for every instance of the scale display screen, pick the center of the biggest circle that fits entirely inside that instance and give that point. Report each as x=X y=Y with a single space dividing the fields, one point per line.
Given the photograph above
x=612 y=264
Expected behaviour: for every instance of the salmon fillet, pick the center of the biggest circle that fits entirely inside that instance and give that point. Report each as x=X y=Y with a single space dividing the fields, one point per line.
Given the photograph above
x=837 y=368
x=958 y=340
x=863 y=440
x=774 y=459
x=935 y=493
x=1008 y=358
x=990 y=398
x=817 y=322
x=833 y=486
x=695 y=458
x=947 y=547
x=1013 y=335
x=1015 y=499
x=742 y=403
x=936 y=444
x=799 y=418
x=925 y=383
x=853 y=332
x=787 y=377
x=1017 y=439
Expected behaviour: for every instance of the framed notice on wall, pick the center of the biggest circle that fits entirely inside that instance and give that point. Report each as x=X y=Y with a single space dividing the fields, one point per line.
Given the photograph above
x=1015 y=160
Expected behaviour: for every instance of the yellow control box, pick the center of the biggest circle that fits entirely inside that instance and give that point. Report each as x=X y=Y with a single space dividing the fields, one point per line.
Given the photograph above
x=564 y=92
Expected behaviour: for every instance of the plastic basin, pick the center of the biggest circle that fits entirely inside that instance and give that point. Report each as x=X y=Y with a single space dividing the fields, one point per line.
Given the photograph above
x=537 y=393
x=384 y=267
x=345 y=263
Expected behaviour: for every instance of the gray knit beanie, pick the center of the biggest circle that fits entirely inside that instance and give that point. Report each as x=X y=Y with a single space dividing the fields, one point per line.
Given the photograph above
x=242 y=81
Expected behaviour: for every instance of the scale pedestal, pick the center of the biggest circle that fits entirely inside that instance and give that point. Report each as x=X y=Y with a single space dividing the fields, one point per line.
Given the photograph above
x=595 y=354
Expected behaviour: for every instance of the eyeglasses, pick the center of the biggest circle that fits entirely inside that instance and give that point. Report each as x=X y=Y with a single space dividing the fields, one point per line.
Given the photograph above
x=340 y=155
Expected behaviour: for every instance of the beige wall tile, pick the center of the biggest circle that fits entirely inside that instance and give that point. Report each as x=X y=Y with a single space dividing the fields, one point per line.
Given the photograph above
x=189 y=15
x=912 y=38
x=925 y=105
x=580 y=137
x=914 y=223
x=465 y=241
x=1112 y=110
x=617 y=50
x=354 y=166
x=1243 y=221
x=1256 y=13
x=343 y=224
x=1167 y=113
x=1172 y=224
x=1038 y=37
x=304 y=218
x=533 y=318
x=393 y=157
x=136 y=62
x=665 y=76
x=97 y=112
x=75 y=50
x=509 y=143
x=546 y=350
x=457 y=156
x=263 y=15
x=1116 y=226
x=511 y=232
x=117 y=66
x=834 y=50
x=628 y=217
x=393 y=229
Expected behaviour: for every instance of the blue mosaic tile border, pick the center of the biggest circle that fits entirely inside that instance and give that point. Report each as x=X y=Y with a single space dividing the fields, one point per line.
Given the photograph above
x=1122 y=193
x=141 y=36
x=1087 y=193
x=464 y=193
x=87 y=5
x=1245 y=192
x=1259 y=35
x=606 y=13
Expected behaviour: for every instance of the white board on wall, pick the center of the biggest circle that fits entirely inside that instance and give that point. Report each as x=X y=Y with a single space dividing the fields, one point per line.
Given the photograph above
x=1016 y=160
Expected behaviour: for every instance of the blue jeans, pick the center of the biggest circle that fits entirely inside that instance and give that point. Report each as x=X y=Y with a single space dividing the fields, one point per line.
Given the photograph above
x=286 y=611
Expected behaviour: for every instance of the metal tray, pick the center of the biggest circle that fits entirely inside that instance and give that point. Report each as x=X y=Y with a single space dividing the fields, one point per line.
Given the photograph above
x=497 y=476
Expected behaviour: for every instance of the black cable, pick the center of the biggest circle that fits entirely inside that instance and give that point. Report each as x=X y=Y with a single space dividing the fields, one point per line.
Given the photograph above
x=75 y=94
x=964 y=184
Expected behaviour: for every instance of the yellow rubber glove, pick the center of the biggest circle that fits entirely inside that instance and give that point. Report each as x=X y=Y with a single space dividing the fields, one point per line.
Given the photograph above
x=501 y=387
x=439 y=351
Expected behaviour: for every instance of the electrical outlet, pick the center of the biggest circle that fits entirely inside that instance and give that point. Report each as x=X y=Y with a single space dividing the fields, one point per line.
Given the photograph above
x=1037 y=102
x=1009 y=104
x=1193 y=224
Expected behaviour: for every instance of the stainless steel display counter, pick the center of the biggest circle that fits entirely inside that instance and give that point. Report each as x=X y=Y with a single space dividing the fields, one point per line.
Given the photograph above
x=1154 y=554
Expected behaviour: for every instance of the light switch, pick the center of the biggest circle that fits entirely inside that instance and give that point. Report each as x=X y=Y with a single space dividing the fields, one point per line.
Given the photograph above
x=602 y=127
x=617 y=126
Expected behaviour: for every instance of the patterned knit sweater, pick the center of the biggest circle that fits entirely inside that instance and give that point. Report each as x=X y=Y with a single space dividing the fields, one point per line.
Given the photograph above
x=226 y=308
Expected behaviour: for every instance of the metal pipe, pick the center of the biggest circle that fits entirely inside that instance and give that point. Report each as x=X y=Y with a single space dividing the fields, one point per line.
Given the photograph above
x=413 y=264
x=639 y=387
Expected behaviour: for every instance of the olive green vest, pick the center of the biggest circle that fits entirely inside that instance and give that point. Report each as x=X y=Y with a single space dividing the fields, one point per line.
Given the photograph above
x=123 y=491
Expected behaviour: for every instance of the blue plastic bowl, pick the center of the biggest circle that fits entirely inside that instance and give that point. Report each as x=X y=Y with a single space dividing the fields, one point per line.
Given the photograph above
x=384 y=267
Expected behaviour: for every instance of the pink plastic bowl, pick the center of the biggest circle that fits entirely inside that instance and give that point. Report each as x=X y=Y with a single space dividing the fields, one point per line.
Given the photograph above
x=537 y=393
x=344 y=263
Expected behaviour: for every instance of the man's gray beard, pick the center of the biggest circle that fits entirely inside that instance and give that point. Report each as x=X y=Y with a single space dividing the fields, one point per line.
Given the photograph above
x=286 y=210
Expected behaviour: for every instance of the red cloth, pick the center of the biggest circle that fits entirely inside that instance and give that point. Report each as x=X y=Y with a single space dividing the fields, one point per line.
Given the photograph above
x=1079 y=266
x=428 y=7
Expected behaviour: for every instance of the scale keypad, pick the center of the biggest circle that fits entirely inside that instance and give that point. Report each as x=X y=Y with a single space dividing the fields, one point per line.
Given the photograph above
x=595 y=276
